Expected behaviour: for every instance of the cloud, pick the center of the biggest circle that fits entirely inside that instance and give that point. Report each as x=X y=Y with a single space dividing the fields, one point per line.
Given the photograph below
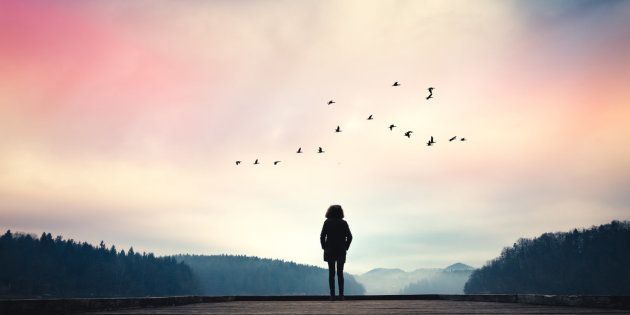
x=163 y=97
x=562 y=10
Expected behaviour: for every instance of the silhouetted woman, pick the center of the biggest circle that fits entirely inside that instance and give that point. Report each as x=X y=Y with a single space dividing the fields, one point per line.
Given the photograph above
x=335 y=239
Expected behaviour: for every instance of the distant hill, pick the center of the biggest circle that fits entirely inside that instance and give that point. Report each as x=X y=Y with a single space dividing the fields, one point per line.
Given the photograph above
x=390 y=281
x=243 y=275
x=459 y=267
x=592 y=261
x=398 y=281
x=450 y=280
x=385 y=271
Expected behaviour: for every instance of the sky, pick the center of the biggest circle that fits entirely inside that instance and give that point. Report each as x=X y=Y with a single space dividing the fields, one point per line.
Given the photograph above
x=121 y=121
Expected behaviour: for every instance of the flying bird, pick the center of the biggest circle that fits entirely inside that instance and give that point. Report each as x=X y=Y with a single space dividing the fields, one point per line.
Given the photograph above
x=256 y=162
x=238 y=162
x=430 y=93
x=320 y=150
x=431 y=142
x=276 y=162
x=396 y=84
x=338 y=129
x=299 y=150
x=451 y=139
x=408 y=134
x=331 y=102
x=462 y=139
x=392 y=126
x=370 y=117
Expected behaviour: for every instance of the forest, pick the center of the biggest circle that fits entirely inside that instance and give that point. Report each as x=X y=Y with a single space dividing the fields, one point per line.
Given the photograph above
x=46 y=267
x=592 y=261
x=246 y=275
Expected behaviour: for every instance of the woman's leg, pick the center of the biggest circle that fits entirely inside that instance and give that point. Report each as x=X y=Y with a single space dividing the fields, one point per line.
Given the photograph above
x=340 y=276
x=331 y=277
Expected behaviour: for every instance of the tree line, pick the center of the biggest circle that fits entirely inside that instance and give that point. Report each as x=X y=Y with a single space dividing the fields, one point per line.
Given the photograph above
x=593 y=261
x=47 y=267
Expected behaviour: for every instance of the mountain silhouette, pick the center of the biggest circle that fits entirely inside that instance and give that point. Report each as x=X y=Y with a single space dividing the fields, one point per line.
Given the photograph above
x=459 y=267
x=449 y=280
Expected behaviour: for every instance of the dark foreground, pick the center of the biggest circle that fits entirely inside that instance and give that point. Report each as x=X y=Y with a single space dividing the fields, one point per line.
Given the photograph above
x=360 y=304
x=365 y=307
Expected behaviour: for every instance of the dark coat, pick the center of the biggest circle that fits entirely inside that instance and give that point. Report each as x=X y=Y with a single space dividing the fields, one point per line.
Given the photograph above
x=335 y=239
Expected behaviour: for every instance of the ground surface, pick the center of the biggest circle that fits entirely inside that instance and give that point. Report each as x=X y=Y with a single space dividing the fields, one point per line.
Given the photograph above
x=363 y=307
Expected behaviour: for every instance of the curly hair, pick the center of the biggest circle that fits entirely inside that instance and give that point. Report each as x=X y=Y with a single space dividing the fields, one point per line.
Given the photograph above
x=334 y=212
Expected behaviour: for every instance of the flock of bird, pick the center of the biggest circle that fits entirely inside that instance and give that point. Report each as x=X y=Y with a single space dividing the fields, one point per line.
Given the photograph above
x=370 y=117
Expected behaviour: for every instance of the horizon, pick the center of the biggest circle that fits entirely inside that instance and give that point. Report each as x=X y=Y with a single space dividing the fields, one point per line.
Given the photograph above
x=137 y=250
x=108 y=245
x=122 y=122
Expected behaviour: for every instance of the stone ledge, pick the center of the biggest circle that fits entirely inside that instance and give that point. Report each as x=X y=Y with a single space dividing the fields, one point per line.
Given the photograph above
x=593 y=301
x=80 y=305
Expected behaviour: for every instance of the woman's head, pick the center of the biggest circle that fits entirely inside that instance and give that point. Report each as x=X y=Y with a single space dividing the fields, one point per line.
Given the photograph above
x=334 y=212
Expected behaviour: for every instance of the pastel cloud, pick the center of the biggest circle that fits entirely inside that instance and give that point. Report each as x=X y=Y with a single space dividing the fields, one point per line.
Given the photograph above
x=125 y=119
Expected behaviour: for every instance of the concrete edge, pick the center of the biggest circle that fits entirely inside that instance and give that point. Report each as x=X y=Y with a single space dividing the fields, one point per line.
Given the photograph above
x=591 y=301
x=82 y=305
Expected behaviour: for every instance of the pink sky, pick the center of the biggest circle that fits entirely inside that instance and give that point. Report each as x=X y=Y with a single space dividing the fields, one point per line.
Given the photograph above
x=121 y=122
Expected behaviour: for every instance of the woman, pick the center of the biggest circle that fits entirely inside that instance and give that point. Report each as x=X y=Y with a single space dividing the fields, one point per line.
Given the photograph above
x=335 y=239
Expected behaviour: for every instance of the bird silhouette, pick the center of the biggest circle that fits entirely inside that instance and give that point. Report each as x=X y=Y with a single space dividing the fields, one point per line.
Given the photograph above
x=451 y=139
x=256 y=162
x=370 y=117
x=338 y=129
x=331 y=102
x=320 y=150
x=408 y=134
x=392 y=126
x=276 y=162
x=396 y=84
x=462 y=139
x=430 y=93
x=431 y=142
x=238 y=162
x=299 y=150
